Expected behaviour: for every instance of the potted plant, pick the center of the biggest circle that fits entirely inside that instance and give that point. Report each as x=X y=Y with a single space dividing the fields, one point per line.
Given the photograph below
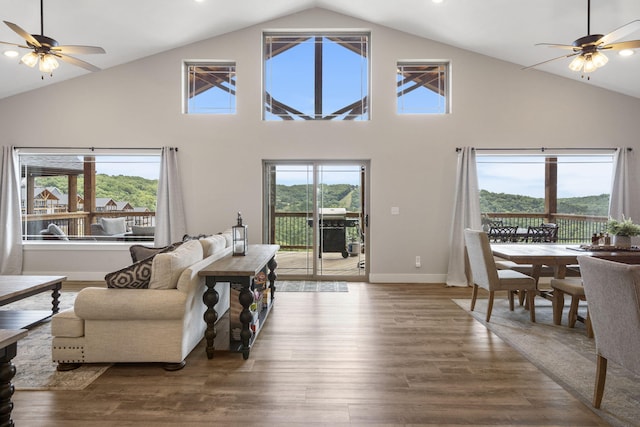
x=622 y=230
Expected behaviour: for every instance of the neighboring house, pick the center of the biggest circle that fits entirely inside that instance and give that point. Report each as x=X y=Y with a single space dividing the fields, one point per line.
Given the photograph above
x=105 y=204
x=124 y=207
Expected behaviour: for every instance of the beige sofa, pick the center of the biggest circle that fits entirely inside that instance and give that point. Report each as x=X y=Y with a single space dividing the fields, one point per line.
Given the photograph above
x=161 y=323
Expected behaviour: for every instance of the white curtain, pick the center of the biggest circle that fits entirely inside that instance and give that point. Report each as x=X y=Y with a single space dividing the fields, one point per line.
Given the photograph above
x=466 y=214
x=170 y=217
x=11 y=240
x=622 y=201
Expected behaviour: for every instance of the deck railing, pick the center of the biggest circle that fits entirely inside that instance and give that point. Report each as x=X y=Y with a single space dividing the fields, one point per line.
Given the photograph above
x=76 y=225
x=294 y=231
x=571 y=228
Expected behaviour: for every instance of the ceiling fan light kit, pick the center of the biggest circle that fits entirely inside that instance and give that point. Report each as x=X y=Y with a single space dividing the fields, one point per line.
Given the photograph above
x=587 y=51
x=46 y=51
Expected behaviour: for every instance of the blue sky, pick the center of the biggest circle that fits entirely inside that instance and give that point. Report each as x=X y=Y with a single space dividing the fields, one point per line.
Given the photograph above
x=145 y=166
x=302 y=174
x=577 y=175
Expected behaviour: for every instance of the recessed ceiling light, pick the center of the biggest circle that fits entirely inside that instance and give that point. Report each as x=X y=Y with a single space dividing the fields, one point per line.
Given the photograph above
x=437 y=1
x=626 y=52
x=10 y=53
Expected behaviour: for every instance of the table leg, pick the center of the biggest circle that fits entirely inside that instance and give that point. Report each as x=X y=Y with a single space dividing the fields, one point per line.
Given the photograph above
x=246 y=299
x=210 y=299
x=55 y=298
x=7 y=372
x=272 y=264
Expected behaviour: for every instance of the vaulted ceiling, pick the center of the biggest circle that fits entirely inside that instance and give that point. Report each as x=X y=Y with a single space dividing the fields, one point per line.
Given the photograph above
x=503 y=29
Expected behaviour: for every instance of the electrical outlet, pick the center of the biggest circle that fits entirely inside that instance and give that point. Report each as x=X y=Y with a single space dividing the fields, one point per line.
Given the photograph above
x=418 y=262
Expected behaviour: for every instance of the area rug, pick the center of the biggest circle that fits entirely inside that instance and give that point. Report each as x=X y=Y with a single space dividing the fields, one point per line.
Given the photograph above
x=564 y=354
x=311 y=286
x=34 y=368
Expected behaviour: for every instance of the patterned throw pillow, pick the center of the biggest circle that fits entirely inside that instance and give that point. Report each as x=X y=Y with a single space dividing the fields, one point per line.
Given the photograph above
x=138 y=274
x=135 y=276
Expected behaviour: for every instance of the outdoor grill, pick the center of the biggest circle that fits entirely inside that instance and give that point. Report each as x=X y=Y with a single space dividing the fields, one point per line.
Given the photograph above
x=333 y=230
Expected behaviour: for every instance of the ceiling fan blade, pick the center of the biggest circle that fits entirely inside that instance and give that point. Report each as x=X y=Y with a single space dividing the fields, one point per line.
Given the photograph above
x=631 y=44
x=559 y=46
x=22 y=33
x=77 y=50
x=77 y=62
x=550 y=60
x=15 y=44
x=621 y=32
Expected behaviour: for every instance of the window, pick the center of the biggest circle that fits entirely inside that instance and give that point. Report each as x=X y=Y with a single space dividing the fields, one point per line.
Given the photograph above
x=423 y=88
x=316 y=76
x=572 y=191
x=210 y=88
x=89 y=196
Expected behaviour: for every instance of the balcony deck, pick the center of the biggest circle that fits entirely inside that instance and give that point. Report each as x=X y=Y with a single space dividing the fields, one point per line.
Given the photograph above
x=300 y=263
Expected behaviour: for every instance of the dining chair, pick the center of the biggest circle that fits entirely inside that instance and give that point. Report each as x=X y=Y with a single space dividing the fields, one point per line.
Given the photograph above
x=569 y=286
x=545 y=233
x=613 y=294
x=485 y=274
x=502 y=233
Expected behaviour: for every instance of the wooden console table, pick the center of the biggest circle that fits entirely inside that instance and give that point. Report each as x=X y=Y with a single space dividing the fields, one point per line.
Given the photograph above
x=239 y=270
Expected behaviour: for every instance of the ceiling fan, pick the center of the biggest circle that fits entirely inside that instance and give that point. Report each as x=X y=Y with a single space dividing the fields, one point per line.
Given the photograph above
x=45 y=49
x=588 y=50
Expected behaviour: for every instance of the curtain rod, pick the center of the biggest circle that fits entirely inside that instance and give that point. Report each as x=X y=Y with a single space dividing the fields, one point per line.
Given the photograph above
x=543 y=149
x=94 y=148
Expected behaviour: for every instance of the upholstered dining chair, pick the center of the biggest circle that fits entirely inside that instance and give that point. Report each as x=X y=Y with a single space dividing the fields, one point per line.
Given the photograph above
x=613 y=295
x=486 y=275
x=569 y=286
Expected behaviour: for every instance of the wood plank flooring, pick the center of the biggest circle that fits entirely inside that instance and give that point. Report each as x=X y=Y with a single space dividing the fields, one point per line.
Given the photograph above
x=381 y=354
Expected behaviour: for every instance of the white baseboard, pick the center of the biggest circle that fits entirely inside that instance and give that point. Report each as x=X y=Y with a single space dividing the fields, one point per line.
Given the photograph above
x=84 y=276
x=407 y=278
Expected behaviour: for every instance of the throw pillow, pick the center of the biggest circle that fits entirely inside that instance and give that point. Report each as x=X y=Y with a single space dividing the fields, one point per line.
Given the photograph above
x=139 y=230
x=167 y=267
x=113 y=226
x=57 y=231
x=186 y=237
x=140 y=252
x=213 y=244
x=228 y=237
x=135 y=276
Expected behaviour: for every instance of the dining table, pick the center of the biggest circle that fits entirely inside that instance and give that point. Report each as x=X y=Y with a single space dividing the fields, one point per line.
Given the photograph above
x=558 y=255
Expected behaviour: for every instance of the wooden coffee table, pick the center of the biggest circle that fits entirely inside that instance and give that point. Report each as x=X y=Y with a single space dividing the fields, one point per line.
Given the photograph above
x=16 y=288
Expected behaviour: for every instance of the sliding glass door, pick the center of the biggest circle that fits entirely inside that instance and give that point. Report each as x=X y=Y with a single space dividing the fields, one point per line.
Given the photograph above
x=317 y=212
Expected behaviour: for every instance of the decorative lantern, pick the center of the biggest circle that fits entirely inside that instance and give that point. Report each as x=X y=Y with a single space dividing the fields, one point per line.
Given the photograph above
x=240 y=238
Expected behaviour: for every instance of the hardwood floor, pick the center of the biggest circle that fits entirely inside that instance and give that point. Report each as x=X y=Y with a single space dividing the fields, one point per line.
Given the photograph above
x=381 y=354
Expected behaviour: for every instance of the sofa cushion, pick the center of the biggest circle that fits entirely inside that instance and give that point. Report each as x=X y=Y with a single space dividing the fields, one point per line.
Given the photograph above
x=67 y=324
x=139 y=230
x=134 y=276
x=167 y=267
x=213 y=244
x=113 y=226
x=57 y=231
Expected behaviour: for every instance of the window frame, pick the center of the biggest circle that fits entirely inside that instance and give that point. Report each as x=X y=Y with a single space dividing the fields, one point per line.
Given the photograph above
x=72 y=217
x=357 y=111
x=217 y=109
x=444 y=67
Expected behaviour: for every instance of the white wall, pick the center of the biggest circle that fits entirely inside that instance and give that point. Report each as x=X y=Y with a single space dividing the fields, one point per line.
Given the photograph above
x=494 y=104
